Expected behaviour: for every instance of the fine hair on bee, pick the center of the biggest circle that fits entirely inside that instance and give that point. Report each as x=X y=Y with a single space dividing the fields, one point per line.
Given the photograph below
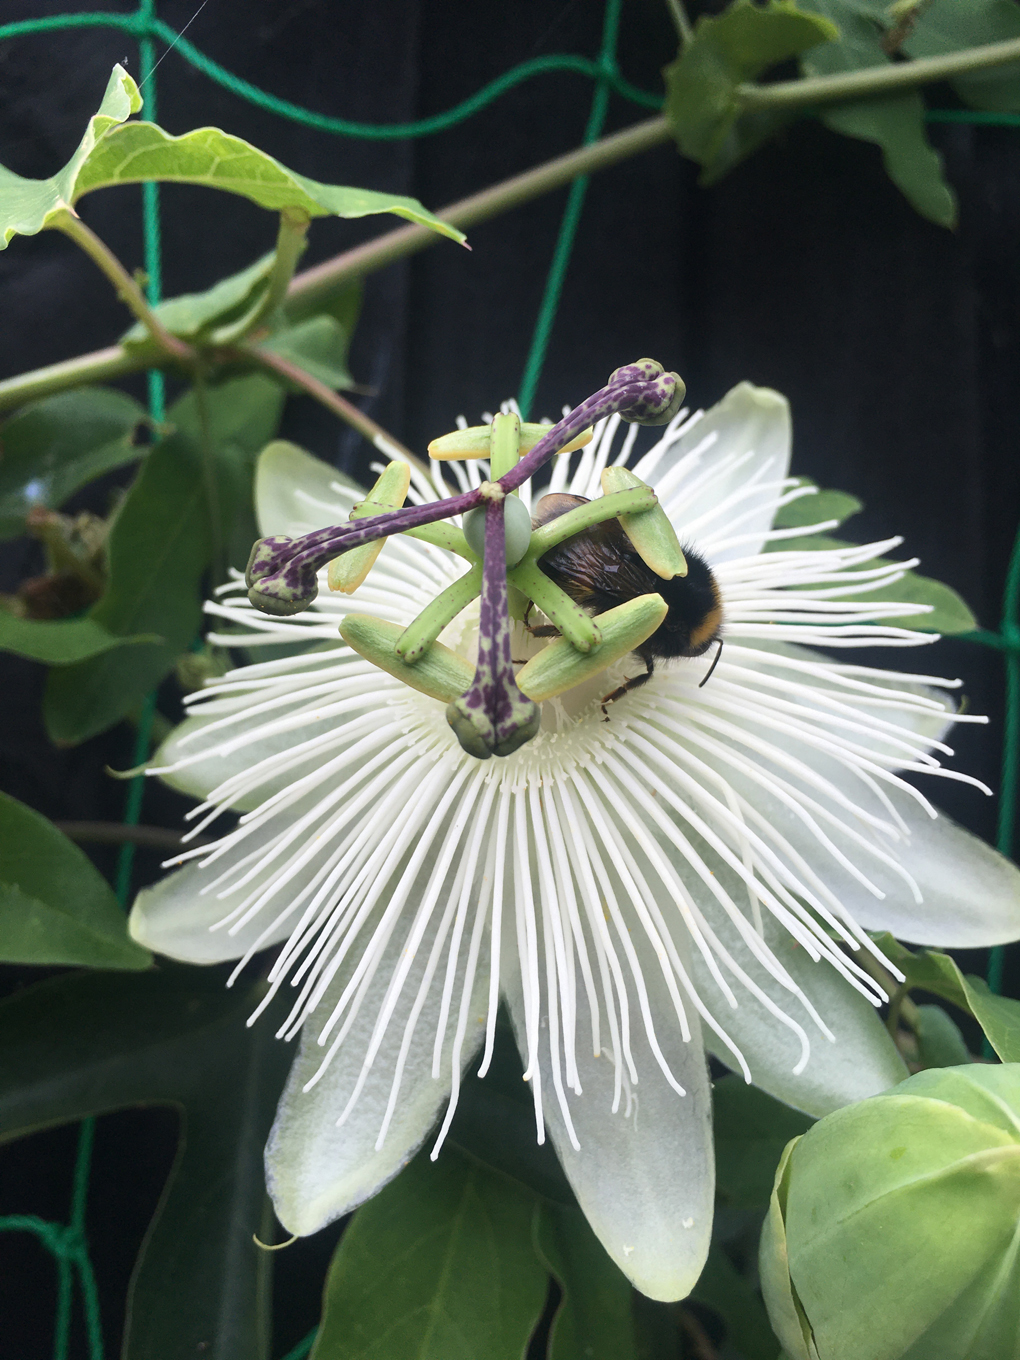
x=600 y=568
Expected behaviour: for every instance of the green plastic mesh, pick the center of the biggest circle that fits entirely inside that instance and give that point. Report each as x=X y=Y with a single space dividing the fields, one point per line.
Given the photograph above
x=67 y=1242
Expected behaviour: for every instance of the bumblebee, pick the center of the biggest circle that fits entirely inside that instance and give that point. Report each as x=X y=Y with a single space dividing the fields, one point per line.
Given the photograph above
x=600 y=568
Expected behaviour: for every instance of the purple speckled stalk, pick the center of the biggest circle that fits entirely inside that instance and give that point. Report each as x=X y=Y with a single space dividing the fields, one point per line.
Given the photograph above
x=493 y=717
x=641 y=392
x=281 y=572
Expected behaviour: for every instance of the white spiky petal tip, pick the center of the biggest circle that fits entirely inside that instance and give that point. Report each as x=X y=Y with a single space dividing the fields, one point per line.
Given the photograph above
x=698 y=873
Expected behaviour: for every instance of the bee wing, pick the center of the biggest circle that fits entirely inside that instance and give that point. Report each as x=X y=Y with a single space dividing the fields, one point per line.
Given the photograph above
x=553 y=505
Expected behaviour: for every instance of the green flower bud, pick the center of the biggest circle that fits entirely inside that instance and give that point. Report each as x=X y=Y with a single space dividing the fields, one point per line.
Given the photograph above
x=894 y=1227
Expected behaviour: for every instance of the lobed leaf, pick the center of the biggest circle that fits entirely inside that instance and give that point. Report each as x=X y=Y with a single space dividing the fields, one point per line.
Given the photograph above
x=318 y=345
x=594 y=1320
x=52 y=448
x=114 y=151
x=55 y=907
x=61 y=642
x=160 y=546
x=86 y=1044
x=214 y=317
x=824 y=505
x=439 y=1266
x=725 y=51
x=998 y=1016
x=894 y=123
x=948 y=26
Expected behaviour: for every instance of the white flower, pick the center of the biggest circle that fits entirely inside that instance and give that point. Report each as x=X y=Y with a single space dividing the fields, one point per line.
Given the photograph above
x=696 y=873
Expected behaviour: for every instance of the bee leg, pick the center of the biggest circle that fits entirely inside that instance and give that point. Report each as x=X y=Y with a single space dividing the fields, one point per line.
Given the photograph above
x=635 y=682
x=544 y=630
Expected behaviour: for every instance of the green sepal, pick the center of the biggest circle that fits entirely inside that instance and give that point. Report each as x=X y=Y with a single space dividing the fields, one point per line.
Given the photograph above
x=114 y=151
x=440 y=673
x=55 y=907
x=901 y=1216
x=948 y=613
x=786 y=1314
x=702 y=107
x=474 y=442
x=650 y=531
x=939 y=1041
x=349 y=570
x=421 y=634
x=559 y=666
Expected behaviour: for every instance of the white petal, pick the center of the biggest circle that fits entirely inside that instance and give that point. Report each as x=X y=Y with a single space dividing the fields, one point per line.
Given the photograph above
x=645 y=1176
x=296 y=493
x=316 y=1171
x=861 y=1062
x=747 y=454
x=174 y=916
x=967 y=894
x=971 y=892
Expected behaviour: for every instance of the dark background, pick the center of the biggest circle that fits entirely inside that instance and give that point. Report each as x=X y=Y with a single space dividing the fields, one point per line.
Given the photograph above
x=896 y=341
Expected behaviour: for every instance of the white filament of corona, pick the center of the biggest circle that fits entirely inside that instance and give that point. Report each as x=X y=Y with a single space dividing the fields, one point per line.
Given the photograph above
x=588 y=852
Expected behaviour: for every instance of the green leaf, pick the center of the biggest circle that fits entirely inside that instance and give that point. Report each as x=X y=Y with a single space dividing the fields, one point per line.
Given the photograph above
x=53 y=447
x=54 y=906
x=439 y=1266
x=751 y=1130
x=728 y=1293
x=86 y=1044
x=948 y=611
x=895 y=124
x=495 y=1124
x=319 y=346
x=939 y=1041
x=215 y=317
x=61 y=642
x=998 y=1016
x=114 y=151
x=159 y=548
x=594 y=1320
x=837 y=505
x=737 y=46
x=948 y=26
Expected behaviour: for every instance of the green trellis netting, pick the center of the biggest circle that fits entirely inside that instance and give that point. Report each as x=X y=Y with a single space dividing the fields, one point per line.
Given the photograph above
x=67 y=1242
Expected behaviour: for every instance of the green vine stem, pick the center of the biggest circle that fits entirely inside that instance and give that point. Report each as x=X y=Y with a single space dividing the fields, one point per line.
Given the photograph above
x=68 y=221
x=875 y=80
x=328 y=278
x=348 y=413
